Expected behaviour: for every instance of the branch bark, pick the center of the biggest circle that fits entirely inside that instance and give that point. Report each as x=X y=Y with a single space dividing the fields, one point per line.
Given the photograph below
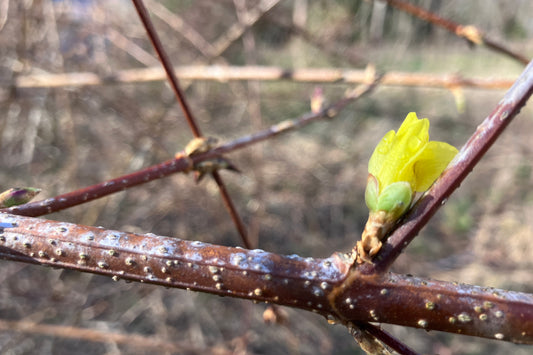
x=330 y=286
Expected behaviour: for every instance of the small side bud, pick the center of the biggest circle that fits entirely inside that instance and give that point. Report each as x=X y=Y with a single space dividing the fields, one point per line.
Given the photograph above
x=275 y=315
x=200 y=145
x=196 y=146
x=17 y=196
x=317 y=100
x=395 y=199
x=209 y=166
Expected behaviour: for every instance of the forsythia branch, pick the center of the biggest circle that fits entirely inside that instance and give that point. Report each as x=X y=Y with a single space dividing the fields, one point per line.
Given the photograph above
x=330 y=286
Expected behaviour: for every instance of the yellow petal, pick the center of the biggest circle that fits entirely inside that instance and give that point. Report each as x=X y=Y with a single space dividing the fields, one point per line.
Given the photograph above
x=412 y=126
x=395 y=154
x=379 y=156
x=431 y=162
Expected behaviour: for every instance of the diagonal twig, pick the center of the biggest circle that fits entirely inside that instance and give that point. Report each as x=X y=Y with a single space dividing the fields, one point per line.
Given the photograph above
x=470 y=33
x=179 y=25
x=181 y=164
x=238 y=28
x=167 y=64
x=156 y=42
x=130 y=47
x=365 y=333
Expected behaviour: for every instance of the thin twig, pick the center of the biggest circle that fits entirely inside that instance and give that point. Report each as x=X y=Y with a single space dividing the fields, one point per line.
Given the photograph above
x=167 y=65
x=230 y=206
x=212 y=51
x=361 y=332
x=238 y=28
x=180 y=164
x=388 y=339
x=473 y=35
x=180 y=26
x=474 y=149
x=154 y=38
x=130 y=47
x=93 y=335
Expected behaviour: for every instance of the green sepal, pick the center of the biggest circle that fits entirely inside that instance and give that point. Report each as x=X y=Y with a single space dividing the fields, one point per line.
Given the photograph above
x=372 y=192
x=395 y=199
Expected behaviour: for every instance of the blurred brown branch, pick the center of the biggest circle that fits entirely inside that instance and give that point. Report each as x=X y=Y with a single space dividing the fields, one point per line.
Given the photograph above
x=93 y=335
x=262 y=73
x=330 y=286
x=471 y=33
x=124 y=43
x=211 y=51
x=178 y=24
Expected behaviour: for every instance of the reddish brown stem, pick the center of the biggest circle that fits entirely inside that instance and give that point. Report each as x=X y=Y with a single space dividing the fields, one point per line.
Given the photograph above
x=167 y=64
x=478 y=144
x=386 y=338
x=89 y=193
x=180 y=164
x=234 y=214
x=454 y=28
x=326 y=286
x=173 y=79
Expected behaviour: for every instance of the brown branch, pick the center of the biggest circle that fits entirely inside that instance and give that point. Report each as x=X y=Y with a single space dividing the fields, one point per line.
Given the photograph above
x=173 y=79
x=472 y=34
x=167 y=65
x=130 y=47
x=93 y=335
x=179 y=25
x=232 y=210
x=328 y=46
x=238 y=28
x=474 y=149
x=180 y=164
x=365 y=333
x=326 y=286
x=212 y=51
x=262 y=73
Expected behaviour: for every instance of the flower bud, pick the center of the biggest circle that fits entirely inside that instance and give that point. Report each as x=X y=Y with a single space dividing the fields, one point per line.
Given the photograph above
x=17 y=196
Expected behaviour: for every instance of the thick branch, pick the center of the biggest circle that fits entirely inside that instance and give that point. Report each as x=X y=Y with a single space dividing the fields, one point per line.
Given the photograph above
x=327 y=286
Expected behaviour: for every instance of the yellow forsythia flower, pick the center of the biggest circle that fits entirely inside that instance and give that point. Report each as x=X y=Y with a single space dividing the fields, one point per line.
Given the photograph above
x=402 y=164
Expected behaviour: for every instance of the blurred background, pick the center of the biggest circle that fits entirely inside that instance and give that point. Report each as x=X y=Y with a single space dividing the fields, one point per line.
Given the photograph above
x=298 y=193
